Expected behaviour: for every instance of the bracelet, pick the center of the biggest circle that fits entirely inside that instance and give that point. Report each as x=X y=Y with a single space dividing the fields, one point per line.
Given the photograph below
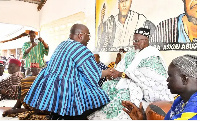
x=123 y=75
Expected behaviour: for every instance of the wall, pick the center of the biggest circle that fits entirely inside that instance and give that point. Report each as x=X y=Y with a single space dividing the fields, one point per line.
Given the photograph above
x=60 y=11
x=19 y=12
x=58 y=30
x=154 y=10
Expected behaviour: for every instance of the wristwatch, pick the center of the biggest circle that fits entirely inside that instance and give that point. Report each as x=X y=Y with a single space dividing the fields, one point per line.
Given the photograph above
x=123 y=75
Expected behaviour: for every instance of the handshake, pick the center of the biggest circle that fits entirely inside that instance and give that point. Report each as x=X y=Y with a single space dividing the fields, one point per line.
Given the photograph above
x=111 y=73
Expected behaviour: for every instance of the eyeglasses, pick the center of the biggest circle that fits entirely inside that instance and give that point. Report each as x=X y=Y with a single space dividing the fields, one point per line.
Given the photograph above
x=85 y=33
x=138 y=40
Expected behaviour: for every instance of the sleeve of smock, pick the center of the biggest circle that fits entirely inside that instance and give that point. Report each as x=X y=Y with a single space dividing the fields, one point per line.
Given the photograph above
x=90 y=71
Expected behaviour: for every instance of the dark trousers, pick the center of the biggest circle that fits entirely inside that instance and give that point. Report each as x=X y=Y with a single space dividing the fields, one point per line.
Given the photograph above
x=55 y=116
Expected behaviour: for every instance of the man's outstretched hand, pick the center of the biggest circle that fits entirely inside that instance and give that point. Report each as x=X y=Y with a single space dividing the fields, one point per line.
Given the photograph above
x=133 y=111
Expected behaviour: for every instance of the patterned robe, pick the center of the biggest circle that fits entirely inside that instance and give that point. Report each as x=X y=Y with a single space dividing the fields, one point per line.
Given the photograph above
x=24 y=87
x=69 y=83
x=36 y=54
x=147 y=83
x=171 y=31
x=183 y=111
x=11 y=85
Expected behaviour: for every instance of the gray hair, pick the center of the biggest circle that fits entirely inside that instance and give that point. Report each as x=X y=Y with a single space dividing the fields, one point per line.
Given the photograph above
x=187 y=64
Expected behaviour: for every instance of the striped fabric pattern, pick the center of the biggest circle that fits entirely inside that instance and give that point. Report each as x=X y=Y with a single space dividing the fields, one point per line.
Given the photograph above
x=11 y=85
x=69 y=83
x=36 y=54
x=166 y=31
x=25 y=85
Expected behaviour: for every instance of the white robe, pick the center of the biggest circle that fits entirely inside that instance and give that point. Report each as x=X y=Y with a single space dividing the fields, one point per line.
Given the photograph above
x=146 y=84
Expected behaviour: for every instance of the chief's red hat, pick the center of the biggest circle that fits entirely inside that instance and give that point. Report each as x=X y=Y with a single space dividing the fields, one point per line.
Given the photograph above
x=15 y=61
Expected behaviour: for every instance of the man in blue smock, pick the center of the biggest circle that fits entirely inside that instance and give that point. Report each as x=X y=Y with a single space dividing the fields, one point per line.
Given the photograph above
x=68 y=86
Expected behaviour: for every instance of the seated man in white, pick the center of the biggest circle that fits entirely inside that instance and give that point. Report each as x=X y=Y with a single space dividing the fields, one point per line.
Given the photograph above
x=139 y=77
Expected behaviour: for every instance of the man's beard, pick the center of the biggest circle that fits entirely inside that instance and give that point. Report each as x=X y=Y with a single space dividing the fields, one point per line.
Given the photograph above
x=192 y=19
x=137 y=51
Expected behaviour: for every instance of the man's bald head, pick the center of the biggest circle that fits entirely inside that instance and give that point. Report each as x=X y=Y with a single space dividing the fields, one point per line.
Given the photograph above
x=77 y=28
x=80 y=33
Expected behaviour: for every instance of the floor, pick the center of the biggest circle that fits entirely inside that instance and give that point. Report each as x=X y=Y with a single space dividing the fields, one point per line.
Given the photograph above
x=5 y=105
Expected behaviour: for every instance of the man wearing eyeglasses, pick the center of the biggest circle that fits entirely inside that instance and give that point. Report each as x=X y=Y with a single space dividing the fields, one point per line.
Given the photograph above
x=68 y=86
x=139 y=77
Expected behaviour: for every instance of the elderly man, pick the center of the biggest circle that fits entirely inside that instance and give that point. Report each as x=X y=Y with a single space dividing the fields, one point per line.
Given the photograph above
x=68 y=86
x=182 y=80
x=9 y=86
x=139 y=77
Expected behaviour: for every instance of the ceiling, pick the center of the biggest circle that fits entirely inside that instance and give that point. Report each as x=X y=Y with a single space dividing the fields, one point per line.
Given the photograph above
x=10 y=30
x=39 y=2
x=32 y=1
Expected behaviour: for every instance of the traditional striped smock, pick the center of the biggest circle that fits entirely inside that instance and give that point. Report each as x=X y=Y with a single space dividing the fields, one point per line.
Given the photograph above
x=69 y=83
x=36 y=54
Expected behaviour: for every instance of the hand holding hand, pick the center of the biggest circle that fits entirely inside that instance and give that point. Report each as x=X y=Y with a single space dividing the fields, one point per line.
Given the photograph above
x=109 y=77
x=133 y=111
x=105 y=73
x=114 y=73
x=108 y=72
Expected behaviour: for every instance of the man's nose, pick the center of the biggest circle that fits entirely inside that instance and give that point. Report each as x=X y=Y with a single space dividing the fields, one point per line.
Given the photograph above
x=134 y=43
x=167 y=79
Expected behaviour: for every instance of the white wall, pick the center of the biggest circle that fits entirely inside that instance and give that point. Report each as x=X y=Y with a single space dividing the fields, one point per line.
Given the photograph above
x=154 y=10
x=54 y=10
x=158 y=10
x=19 y=12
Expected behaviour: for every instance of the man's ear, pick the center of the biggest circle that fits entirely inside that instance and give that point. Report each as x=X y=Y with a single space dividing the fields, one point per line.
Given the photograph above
x=184 y=79
x=80 y=36
x=70 y=36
